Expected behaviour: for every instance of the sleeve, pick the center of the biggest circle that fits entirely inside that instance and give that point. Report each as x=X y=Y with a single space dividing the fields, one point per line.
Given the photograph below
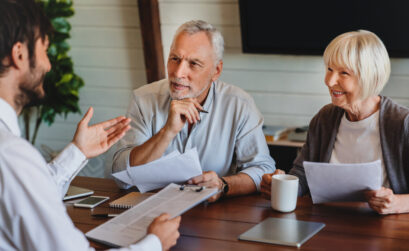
x=137 y=135
x=31 y=199
x=252 y=154
x=150 y=243
x=298 y=168
x=66 y=166
x=305 y=155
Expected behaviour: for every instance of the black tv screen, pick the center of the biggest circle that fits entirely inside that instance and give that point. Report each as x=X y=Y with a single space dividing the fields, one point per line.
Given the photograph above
x=307 y=26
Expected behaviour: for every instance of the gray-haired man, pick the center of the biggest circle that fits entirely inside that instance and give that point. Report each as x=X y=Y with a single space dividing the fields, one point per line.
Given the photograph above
x=166 y=116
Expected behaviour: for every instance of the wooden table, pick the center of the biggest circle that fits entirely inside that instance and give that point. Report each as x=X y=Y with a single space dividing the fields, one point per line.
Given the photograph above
x=216 y=226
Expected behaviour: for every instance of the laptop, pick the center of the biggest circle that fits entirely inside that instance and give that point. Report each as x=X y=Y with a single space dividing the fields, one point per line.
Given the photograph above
x=280 y=231
x=76 y=192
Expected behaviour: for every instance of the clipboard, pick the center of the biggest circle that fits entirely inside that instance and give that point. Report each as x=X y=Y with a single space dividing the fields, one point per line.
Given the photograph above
x=131 y=226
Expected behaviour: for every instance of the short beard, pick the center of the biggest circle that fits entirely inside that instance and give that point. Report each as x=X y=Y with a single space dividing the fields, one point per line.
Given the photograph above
x=190 y=95
x=30 y=93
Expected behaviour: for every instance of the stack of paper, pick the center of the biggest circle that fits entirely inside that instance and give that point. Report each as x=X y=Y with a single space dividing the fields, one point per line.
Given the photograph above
x=172 y=168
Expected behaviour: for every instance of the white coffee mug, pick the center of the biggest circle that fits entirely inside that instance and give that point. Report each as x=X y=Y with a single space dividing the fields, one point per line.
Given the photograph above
x=284 y=191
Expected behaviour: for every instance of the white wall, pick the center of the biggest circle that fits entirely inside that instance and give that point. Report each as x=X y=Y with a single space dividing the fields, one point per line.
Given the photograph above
x=107 y=53
x=288 y=90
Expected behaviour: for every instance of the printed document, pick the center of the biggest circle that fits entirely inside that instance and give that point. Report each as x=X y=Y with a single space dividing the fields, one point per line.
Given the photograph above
x=342 y=182
x=131 y=226
x=172 y=168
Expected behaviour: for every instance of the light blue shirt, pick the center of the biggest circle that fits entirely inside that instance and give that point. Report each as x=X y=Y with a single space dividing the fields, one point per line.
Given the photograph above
x=228 y=138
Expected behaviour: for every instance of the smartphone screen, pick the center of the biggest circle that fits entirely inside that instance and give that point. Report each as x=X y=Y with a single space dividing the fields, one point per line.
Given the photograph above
x=91 y=201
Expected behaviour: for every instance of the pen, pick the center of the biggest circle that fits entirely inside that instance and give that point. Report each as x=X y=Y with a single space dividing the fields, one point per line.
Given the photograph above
x=200 y=110
x=104 y=215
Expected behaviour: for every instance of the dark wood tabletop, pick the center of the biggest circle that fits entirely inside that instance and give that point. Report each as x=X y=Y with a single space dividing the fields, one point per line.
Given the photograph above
x=216 y=226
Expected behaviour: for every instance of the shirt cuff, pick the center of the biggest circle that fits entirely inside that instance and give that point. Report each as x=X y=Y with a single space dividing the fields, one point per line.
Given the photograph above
x=121 y=163
x=150 y=243
x=71 y=158
x=254 y=175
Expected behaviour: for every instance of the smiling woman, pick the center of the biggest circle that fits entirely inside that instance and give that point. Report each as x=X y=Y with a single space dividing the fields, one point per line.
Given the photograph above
x=358 y=68
x=360 y=125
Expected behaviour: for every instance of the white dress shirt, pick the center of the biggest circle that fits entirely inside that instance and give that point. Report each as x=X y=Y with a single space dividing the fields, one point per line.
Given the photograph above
x=32 y=214
x=228 y=138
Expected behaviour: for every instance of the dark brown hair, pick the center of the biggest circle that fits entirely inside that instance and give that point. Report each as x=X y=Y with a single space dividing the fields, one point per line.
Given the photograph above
x=21 y=21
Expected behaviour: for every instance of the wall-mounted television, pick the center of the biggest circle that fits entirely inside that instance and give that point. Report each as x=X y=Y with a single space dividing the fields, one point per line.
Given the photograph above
x=307 y=26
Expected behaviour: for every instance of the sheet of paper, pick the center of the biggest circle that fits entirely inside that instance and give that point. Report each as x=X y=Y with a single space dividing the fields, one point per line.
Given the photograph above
x=131 y=226
x=342 y=182
x=174 y=167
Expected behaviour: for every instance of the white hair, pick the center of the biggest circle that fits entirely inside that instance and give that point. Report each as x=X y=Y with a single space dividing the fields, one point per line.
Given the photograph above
x=363 y=53
x=216 y=38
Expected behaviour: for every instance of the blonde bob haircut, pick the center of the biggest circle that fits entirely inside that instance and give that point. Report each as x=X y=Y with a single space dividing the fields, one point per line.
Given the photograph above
x=363 y=53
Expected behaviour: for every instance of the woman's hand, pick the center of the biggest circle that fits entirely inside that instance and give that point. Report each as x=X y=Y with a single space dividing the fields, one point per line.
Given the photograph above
x=265 y=186
x=384 y=201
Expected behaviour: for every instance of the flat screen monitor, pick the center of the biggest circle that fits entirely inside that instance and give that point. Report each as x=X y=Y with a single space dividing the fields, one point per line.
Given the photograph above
x=306 y=27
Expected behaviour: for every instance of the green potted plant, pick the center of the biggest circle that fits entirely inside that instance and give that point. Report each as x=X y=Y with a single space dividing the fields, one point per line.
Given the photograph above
x=61 y=84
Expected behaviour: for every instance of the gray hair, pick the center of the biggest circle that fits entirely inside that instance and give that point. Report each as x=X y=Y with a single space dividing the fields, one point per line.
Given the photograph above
x=363 y=53
x=216 y=38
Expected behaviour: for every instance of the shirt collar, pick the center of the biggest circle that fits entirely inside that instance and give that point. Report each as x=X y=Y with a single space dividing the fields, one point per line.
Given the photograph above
x=209 y=99
x=9 y=117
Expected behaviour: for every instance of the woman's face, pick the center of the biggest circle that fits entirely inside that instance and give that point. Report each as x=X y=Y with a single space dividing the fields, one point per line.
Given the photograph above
x=343 y=86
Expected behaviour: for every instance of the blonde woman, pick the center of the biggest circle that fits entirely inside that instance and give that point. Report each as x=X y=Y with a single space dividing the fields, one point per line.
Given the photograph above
x=360 y=125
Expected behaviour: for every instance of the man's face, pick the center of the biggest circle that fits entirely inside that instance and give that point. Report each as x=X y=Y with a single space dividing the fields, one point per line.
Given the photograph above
x=31 y=85
x=191 y=66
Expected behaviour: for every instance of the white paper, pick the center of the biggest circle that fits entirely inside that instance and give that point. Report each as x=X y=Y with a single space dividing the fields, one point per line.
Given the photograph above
x=342 y=182
x=131 y=226
x=174 y=167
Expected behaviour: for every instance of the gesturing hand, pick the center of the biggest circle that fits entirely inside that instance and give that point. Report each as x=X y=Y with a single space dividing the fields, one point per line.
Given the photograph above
x=166 y=230
x=97 y=139
x=181 y=111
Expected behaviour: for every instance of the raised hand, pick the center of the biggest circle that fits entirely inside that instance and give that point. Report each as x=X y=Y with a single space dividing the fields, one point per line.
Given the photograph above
x=181 y=111
x=97 y=139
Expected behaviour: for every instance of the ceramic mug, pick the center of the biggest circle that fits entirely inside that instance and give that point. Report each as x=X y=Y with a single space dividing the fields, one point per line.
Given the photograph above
x=284 y=191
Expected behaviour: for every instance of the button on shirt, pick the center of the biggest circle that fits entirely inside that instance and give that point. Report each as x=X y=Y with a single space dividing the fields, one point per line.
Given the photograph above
x=32 y=214
x=228 y=138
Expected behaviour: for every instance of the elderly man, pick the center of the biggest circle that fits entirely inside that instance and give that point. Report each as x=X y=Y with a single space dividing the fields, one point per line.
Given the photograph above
x=33 y=216
x=192 y=108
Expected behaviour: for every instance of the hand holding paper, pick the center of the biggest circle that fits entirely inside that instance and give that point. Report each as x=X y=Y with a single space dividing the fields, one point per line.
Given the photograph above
x=172 y=168
x=342 y=182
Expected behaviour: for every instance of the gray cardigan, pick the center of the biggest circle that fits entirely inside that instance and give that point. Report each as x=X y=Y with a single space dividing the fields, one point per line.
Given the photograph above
x=394 y=138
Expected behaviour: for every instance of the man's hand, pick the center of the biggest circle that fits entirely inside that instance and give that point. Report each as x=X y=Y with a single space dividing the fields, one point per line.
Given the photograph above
x=97 y=139
x=384 y=201
x=181 y=111
x=166 y=230
x=208 y=179
x=265 y=186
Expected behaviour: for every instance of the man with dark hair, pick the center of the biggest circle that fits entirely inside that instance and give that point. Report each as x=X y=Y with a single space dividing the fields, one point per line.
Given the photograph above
x=32 y=214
